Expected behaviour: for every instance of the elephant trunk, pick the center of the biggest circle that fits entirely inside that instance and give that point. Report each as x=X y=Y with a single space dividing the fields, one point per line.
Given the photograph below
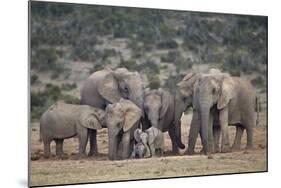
x=204 y=123
x=178 y=136
x=177 y=121
x=137 y=97
x=112 y=146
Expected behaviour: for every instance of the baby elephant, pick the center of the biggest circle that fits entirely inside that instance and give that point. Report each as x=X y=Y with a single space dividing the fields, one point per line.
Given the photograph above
x=62 y=121
x=149 y=143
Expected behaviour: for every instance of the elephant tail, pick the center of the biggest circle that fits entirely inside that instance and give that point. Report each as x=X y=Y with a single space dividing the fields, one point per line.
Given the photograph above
x=257 y=109
x=40 y=134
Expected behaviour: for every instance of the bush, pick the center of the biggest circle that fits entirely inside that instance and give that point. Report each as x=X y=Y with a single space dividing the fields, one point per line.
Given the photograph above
x=259 y=81
x=42 y=100
x=170 y=57
x=33 y=79
x=129 y=64
x=154 y=81
x=167 y=44
x=70 y=99
x=68 y=87
x=149 y=67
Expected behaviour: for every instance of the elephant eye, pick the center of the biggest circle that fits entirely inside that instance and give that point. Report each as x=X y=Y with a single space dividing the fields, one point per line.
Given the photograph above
x=126 y=88
x=214 y=90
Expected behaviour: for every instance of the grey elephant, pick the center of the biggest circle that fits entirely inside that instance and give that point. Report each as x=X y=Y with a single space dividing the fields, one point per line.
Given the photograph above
x=159 y=107
x=122 y=119
x=62 y=121
x=228 y=101
x=149 y=143
x=109 y=86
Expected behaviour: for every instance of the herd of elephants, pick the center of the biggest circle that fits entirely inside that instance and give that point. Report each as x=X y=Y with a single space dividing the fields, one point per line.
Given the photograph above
x=136 y=117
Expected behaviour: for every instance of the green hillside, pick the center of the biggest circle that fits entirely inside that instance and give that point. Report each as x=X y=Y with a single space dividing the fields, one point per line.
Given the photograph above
x=69 y=42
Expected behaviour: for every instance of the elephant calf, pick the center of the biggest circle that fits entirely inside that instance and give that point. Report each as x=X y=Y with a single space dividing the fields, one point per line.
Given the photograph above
x=62 y=121
x=149 y=142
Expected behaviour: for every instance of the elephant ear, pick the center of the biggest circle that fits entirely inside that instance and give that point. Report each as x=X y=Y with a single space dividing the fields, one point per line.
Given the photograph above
x=165 y=101
x=227 y=92
x=137 y=134
x=186 y=85
x=89 y=119
x=108 y=88
x=195 y=94
x=132 y=114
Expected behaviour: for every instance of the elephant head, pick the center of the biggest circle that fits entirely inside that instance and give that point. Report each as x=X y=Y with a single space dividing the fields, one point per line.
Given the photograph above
x=141 y=148
x=122 y=83
x=121 y=118
x=211 y=90
x=184 y=97
x=92 y=118
x=156 y=104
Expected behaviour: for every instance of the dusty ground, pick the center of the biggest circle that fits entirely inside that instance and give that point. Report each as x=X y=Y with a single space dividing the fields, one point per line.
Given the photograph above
x=98 y=169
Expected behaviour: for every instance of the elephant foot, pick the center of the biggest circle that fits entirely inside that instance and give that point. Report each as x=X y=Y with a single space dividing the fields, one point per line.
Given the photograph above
x=189 y=152
x=94 y=153
x=82 y=156
x=175 y=151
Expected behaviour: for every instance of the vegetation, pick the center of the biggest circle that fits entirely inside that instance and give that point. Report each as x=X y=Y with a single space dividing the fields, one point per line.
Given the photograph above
x=42 y=100
x=62 y=33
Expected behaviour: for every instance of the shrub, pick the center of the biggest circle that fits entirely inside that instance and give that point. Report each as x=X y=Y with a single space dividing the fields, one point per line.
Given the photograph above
x=259 y=81
x=129 y=64
x=70 y=99
x=154 y=81
x=170 y=57
x=68 y=86
x=167 y=44
x=42 y=100
x=33 y=79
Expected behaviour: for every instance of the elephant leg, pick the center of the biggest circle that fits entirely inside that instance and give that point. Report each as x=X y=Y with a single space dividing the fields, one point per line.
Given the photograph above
x=193 y=134
x=47 y=148
x=125 y=145
x=223 y=120
x=217 y=131
x=250 y=144
x=237 y=141
x=211 y=135
x=172 y=135
x=93 y=142
x=83 y=139
x=59 y=147
x=152 y=148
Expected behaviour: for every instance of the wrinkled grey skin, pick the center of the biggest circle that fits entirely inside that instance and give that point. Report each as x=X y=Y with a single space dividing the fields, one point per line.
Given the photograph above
x=122 y=119
x=229 y=101
x=153 y=141
x=106 y=87
x=159 y=107
x=62 y=121
x=140 y=151
x=183 y=100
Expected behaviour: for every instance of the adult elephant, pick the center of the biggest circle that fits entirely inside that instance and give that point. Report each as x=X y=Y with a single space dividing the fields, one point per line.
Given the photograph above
x=122 y=119
x=228 y=101
x=159 y=106
x=185 y=98
x=183 y=101
x=107 y=86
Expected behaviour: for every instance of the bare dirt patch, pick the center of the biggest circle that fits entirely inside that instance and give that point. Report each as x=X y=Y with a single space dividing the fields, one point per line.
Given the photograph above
x=71 y=169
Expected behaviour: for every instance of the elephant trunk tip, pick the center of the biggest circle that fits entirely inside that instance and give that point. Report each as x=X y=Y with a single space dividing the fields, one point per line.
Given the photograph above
x=181 y=145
